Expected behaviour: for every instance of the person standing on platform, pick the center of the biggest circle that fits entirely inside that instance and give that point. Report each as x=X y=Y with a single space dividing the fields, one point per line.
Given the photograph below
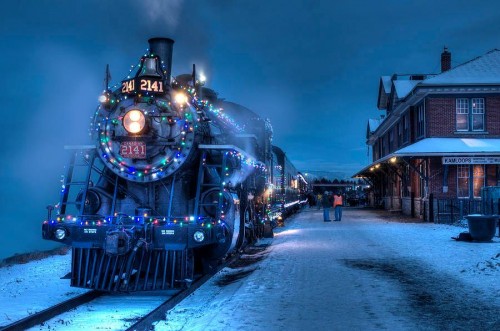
x=319 y=197
x=337 y=205
x=326 y=202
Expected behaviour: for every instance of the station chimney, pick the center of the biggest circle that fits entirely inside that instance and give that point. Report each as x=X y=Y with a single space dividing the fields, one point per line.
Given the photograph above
x=163 y=47
x=445 y=60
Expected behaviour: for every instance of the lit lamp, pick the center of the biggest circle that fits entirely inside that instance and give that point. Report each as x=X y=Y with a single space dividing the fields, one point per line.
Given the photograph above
x=105 y=99
x=203 y=79
x=181 y=99
x=134 y=121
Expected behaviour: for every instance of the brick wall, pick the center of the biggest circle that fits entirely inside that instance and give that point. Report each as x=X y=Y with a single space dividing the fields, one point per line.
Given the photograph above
x=440 y=117
x=493 y=115
x=436 y=179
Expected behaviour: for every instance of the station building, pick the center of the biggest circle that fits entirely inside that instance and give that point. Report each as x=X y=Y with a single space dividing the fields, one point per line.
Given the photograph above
x=438 y=142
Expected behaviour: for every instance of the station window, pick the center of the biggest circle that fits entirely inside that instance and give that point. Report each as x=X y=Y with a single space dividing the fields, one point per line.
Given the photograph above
x=467 y=175
x=478 y=114
x=463 y=181
x=420 y=121
x=470 y=114
x=391 y=141
x=478 y=179
x=400 y=134
x=406 y=128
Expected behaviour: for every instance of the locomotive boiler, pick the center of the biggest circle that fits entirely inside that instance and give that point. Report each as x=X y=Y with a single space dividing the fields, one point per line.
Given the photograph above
x=175 y=180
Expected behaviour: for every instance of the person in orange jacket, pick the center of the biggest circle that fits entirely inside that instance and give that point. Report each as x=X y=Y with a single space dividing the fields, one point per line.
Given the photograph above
x=337 y=205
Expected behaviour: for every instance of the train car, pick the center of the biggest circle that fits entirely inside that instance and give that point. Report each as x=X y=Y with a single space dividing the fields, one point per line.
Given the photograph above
x=175 y=180
x=289 y=187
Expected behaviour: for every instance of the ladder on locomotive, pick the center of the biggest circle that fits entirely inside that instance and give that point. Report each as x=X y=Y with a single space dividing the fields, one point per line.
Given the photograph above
x=88 y=157
x=87 y=161
x=202 y=183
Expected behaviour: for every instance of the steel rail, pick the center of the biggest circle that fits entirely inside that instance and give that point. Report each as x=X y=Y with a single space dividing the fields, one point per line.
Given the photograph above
x=145 y=323
x=51 y=312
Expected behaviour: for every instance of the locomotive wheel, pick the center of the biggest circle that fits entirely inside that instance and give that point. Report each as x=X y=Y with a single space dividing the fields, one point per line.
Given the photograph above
x=230 y=235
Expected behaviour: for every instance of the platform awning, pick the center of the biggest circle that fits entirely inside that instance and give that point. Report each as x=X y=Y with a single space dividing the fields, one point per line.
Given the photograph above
x=441 y=147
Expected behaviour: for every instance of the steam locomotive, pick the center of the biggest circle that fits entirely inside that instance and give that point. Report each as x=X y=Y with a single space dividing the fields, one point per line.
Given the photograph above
x=177 y=180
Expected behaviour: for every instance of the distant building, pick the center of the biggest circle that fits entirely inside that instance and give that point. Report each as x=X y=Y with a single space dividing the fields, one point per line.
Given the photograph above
x=439 y=142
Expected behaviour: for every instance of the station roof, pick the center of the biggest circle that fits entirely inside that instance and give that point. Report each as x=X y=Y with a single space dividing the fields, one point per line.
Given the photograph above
x=483 y=69
x=442 y=147
x=404 y=87
x=450 y=146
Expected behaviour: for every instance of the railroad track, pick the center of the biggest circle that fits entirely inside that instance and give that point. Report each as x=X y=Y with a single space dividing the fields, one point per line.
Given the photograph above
x=51 y=312
x=144 y=323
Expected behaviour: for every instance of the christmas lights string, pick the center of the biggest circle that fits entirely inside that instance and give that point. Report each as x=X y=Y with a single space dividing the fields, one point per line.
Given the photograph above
x=105 y=140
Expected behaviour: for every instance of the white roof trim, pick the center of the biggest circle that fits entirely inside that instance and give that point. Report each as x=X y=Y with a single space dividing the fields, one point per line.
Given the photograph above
x=451 y=146
x=443 y=147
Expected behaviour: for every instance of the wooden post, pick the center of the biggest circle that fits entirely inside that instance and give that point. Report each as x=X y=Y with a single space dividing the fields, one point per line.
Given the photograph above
x=431 y=207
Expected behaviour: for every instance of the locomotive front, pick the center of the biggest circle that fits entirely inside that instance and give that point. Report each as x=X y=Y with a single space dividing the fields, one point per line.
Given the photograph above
x=145 y=129
x=155 y=187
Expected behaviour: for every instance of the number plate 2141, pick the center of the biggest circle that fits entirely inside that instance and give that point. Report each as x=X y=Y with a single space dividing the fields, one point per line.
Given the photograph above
x=133 y=149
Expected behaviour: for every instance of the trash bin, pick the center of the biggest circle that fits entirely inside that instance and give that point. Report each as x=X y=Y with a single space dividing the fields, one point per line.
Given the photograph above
x=482 y=227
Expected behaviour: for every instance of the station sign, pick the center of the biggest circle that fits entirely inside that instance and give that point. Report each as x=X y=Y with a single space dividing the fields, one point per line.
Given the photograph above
x=470 y=160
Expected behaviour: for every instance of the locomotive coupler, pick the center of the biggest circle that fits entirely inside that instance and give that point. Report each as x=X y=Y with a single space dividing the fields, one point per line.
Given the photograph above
x=117 y=242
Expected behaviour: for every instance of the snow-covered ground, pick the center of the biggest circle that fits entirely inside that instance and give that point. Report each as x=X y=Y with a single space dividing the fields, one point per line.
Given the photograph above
x=364 y=273
x=368 y=272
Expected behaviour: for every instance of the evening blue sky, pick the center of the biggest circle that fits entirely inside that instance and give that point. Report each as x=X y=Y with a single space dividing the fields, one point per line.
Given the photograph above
x=311 y=67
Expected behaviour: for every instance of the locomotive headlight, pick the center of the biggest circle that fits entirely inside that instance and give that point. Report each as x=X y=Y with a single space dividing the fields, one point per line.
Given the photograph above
x=134 y=121
x=60 y=234
x=199 y=236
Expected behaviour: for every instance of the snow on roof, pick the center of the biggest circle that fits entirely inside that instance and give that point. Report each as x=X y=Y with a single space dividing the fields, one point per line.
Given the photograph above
x=373 y=124
x=450 y=146
x=386 y=81
x=384 y=90
x=484 y=69
x=404 y=87
x=442 y=147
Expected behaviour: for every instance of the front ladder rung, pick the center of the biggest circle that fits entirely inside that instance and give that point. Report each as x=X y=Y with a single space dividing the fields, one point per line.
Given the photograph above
x=76 y=183
x=70 y=203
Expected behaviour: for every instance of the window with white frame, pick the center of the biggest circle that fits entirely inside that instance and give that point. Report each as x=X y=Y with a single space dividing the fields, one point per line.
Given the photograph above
x=470 y=179
x=470 y=114
x=462 y=110
x=477 y=114
x=477 y=179
x=462 y=181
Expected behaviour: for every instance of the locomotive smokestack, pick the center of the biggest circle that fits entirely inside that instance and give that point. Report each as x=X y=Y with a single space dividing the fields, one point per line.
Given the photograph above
x=163 y=47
